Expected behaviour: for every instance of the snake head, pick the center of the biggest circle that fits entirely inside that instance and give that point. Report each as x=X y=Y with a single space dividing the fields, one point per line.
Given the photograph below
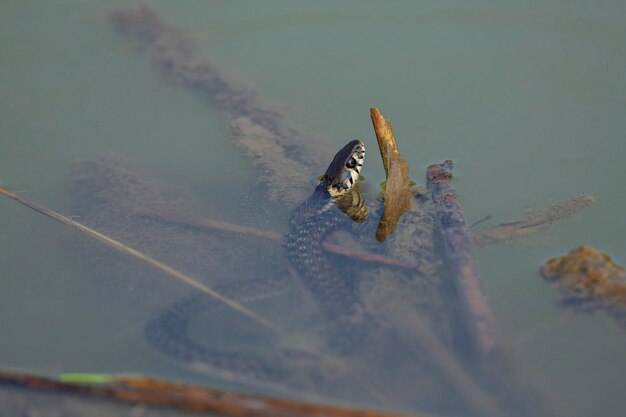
x=345 y=169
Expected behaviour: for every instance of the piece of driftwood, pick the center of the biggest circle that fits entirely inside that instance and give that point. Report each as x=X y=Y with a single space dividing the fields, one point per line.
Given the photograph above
x=590 y=280
x=398 y=194
x=533 y=221
x=459 y=253
x=138 y=255
x=261 y=129
x=153 y=391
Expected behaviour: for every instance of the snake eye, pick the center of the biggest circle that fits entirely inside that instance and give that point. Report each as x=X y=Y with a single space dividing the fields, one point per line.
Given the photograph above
x=351 y=163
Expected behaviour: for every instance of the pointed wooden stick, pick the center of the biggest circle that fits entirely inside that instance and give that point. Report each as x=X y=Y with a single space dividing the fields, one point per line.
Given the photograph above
x=135 y=253
x=398 y=194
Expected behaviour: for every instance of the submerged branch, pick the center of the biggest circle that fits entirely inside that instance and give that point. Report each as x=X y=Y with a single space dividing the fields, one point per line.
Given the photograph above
x=136 y=254
x=590 y=280
x=534 y=221
x=458 y=248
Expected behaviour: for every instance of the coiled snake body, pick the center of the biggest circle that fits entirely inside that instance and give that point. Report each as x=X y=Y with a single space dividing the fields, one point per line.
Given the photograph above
x=309 y=224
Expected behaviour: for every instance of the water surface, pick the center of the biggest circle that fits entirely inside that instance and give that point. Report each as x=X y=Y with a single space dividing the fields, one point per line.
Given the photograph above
x=529 y=102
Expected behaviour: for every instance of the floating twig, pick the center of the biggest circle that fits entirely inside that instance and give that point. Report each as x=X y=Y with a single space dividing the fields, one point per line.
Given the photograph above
x=158 y=392
x=534 y=221
x=135 y=253
x=458 y=247
x=397 y=194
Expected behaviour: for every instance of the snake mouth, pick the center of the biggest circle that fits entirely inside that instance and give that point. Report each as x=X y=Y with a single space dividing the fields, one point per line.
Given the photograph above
x=343 y=172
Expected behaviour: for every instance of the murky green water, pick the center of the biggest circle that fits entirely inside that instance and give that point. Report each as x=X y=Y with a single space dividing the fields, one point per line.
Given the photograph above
x=528 y=100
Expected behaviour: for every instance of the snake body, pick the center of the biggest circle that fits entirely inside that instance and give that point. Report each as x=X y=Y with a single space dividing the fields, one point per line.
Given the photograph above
x=304 y=247
x=309 y=224
x=168 y=333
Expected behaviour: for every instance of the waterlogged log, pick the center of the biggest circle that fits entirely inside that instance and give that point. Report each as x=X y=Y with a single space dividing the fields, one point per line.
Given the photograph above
x=459 y=254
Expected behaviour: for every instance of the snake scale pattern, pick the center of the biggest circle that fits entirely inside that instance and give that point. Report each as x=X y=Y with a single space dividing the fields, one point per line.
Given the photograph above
x=310 y=223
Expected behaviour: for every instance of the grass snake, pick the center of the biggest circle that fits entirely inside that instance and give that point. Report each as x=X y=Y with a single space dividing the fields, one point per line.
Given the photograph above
x=323 y=212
